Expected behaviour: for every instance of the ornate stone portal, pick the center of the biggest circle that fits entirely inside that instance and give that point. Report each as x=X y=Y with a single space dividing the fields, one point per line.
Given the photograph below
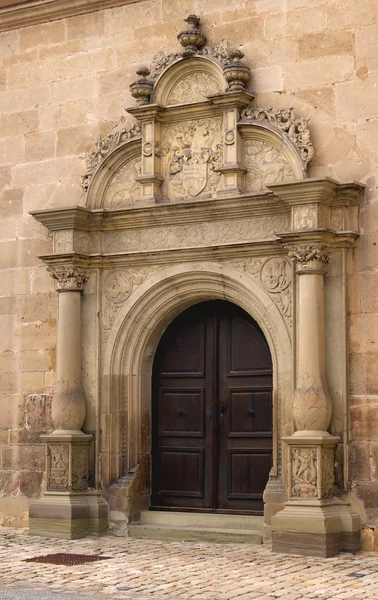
x=204 y=197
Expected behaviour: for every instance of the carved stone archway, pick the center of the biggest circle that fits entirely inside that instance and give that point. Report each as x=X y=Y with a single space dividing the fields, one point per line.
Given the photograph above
x=204 y=197
x=131 y=346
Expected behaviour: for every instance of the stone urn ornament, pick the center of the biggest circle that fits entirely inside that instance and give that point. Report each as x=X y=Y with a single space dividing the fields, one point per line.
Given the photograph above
x=235 y=73
x=192 y=39
x=142 y=88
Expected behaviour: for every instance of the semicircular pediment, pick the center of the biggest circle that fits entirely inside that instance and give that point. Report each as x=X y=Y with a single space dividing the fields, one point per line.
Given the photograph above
x=189 y=80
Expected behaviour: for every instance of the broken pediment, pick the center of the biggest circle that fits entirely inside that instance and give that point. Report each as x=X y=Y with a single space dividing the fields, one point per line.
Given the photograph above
x=198 y=134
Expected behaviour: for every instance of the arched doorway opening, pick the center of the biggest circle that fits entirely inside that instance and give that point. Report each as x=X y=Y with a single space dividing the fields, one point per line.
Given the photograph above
x=212 y=422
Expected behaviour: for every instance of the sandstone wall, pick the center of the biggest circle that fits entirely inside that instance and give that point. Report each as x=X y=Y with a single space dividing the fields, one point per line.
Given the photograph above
x=65 y=83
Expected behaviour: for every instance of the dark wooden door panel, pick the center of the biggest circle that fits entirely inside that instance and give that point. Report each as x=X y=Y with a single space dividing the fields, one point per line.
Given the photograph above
x=212 y=411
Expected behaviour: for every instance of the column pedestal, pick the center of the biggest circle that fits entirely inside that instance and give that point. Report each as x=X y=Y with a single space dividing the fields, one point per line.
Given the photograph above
x=314 y=522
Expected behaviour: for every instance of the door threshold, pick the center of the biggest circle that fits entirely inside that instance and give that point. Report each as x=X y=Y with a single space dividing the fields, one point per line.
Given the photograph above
x=217 y=511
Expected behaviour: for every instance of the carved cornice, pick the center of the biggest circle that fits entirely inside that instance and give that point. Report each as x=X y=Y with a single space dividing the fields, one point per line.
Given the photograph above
x=70 y=278
x=327 y=191
x=33 y=12
x=284 y=122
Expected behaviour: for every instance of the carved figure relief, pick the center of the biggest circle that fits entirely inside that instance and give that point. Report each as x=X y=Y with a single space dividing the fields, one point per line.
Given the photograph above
x=194 y=87
x=266 y=165
x=124 y=189
x=118 y=286
x=63 y=241
x=57 y=478
x=304 y=217
x=304 y=472
x=80 y=470
x=274 y=277
x=328 y=475
x=192 y=154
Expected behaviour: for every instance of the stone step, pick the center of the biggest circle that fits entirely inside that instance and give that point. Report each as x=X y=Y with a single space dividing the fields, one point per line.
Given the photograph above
x=221 y=528
x=195 y=534
x=204 y=520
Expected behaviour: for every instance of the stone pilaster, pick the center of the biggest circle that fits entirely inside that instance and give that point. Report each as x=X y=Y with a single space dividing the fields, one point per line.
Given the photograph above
x=314 y=521
x=68 y=508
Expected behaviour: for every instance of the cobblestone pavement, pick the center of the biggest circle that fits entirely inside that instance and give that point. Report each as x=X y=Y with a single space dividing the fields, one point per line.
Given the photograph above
x=141 y=570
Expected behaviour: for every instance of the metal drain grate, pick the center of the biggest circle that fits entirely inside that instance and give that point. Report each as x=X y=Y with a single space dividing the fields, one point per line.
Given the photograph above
x=67 y=559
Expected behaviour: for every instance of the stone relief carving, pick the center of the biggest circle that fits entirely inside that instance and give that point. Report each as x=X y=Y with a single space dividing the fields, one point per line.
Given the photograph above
x=63 y=241
x=328 y=472
x=312 y=406
x=337 y=219
x=284 y=121
x=104 y=146
x=309 y=256
x=69 y=277
x=274 y=276
x=304 y=472
x=266 y=165
x=58 y=476
x=305 y=217
x=118 y=286
x=123 y=189
x=68 y=410
x=194 y=87
x=80 y=473
x=192 y=154
x=196 y=235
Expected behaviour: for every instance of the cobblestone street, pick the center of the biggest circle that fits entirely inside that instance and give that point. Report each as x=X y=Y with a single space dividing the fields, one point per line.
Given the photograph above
x=142 y=570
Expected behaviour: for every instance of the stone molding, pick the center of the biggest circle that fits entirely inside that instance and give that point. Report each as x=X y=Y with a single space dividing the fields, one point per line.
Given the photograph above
x=34 y=12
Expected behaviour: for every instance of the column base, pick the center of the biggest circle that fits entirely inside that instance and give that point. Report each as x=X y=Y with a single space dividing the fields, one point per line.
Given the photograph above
x=316 y=528
x=69 y=515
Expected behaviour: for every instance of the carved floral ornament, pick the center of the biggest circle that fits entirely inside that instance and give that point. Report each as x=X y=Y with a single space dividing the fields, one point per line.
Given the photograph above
x=311 y=257
x=199 y=82
x=69 y=277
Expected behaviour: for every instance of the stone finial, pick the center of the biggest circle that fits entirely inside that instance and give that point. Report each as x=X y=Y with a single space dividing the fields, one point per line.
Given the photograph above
x=191 y=38
x=142 y=88
x=235 y=73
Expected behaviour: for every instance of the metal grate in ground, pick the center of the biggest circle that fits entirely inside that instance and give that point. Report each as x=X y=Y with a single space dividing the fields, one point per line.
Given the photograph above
x=67 y=559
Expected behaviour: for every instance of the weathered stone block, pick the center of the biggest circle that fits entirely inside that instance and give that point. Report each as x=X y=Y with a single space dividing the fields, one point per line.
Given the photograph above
x=349 y=14
x=60 y=49
x=318 y=72
x=306 y=20
x=44 y=34
x=7 y=328
x=63 y=115
x=9 y=483
x=27 y=458
x=36 y=360
x=74 y=140
x=368 y=540
x=13 y=281
x=13 y=101
x=31 y=483
x=12 y=151
x=364 y=332
x=38 y=412
x=364 y=422
x=31 y=381
x=359 y=461
x=357 y=100
x=12 y=410
x=314 y=45
x=72 y=89
x=35 y=307
x=12 y=202
x=19 y=123
x=40 y=145
x=357 y=373
x=85 y=25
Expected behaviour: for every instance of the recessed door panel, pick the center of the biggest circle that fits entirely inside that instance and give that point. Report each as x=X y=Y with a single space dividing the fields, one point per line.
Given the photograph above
x=212 y=411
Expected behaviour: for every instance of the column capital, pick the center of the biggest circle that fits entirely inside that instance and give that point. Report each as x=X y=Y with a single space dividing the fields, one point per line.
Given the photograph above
x=310 y=258
x=70 y=278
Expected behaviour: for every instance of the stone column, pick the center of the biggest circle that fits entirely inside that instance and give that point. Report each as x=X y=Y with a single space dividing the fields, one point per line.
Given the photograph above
x=68 y=508
x=314 y=521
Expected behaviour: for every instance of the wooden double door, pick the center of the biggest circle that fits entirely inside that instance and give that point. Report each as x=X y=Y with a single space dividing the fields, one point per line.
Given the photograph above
x=212 y=412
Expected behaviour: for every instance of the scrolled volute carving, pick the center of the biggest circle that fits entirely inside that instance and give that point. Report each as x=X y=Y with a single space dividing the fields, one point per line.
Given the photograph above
x=69 y=277
x=284 y=120
x=311 y=257
x=104 y=146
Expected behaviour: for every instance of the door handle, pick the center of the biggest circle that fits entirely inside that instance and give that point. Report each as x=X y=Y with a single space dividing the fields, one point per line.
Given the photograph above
x=209 y=414
x=250 y=412
x=223 y=409
x=180 y=412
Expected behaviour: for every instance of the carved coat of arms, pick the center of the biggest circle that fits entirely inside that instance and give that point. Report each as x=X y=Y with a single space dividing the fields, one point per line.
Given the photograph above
x=192 y=152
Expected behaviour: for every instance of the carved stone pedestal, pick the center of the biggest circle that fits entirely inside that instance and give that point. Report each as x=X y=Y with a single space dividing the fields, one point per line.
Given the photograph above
x=314 y=522
x=68 y=509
